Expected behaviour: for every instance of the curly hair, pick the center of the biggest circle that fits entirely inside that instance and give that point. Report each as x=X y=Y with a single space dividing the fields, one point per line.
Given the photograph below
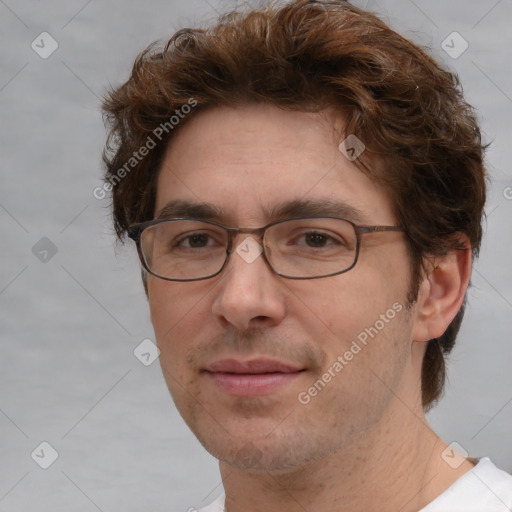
x=307 y=56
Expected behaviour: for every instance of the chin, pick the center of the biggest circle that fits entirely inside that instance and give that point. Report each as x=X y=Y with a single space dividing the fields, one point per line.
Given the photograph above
x=278 y=451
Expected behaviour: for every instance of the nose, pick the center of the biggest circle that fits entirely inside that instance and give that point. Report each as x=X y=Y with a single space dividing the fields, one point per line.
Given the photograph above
x=249 y=294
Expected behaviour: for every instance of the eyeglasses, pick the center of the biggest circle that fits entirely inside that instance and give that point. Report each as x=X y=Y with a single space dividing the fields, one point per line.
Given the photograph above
x=185 y=249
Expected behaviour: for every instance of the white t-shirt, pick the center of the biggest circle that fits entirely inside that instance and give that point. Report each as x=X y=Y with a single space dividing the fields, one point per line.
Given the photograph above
x=483 y=489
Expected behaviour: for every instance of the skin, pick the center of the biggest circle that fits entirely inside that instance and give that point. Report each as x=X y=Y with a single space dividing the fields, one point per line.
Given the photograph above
x=363 y=439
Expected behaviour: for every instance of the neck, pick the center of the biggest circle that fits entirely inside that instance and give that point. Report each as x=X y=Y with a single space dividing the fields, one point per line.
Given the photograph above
x=397 y=464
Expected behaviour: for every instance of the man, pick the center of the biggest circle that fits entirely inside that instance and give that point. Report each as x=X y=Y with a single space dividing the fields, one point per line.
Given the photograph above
x=306 y=189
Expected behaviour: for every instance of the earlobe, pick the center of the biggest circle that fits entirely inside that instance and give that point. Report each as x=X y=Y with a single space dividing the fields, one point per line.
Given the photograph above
x=442 y=293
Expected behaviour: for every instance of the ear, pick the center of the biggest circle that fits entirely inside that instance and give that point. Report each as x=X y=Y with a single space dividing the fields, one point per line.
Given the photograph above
x=442 y=292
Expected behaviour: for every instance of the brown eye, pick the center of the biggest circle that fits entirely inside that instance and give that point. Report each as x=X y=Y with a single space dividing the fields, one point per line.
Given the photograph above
x=198 y=240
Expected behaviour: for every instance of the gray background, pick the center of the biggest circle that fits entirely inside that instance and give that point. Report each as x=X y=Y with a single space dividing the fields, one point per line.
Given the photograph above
x=70 y=324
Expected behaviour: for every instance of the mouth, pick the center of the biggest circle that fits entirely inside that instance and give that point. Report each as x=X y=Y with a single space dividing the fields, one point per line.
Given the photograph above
x=256 y=377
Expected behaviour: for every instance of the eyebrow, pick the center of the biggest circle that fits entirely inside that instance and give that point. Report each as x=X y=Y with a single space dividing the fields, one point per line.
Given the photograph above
x=181 y=208
x=315 y=207
x=283 y=210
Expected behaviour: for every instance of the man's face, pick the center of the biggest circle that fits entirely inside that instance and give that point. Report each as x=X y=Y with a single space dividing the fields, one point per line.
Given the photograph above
x=246 y=162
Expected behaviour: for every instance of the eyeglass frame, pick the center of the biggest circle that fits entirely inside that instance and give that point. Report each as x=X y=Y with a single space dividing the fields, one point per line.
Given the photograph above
x=135 y=232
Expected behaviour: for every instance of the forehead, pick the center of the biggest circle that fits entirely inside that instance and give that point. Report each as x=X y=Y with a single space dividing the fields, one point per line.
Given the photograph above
x=250 y=163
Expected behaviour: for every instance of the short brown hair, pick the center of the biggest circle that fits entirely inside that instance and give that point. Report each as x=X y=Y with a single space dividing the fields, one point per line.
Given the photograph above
x=306 y=55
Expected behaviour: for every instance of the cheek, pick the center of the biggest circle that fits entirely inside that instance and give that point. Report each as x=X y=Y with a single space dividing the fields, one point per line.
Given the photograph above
x=345 y=305
x=173 y=315
x=362 y=317
x=364 y=334
x=171 y=305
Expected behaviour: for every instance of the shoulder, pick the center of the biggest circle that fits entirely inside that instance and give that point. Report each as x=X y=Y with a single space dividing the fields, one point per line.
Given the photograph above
x=484 y=488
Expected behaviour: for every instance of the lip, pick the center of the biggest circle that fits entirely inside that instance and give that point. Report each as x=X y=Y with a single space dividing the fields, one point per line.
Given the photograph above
x=252 y=366
x=256 y=377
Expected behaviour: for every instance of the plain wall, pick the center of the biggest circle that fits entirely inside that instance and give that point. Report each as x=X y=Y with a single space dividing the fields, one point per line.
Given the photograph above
x=71 y=320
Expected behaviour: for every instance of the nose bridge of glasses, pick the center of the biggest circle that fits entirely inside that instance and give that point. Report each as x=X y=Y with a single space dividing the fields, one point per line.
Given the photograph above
x=248 y=250
x=234 y=232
